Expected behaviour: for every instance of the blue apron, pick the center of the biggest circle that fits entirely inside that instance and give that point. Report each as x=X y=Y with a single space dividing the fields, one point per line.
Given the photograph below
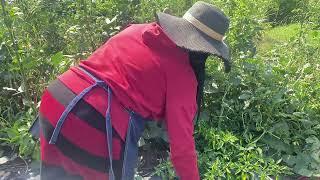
x=135 y=130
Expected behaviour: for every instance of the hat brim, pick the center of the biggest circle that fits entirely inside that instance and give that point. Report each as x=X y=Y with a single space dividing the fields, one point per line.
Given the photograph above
x=185 y=35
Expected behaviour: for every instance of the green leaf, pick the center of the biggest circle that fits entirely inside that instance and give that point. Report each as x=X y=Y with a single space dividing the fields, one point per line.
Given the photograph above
x=56 y=59
x=210 y=86
x=307 y=123
x=304 y=172
x=29 y=63
x=317 y=126
x=316 y=156
x=277 y=144
x=108 y=21
x=246 y=104
x=236 y=81
x=280 y=128
x=310 y=132
x=290 y=160
x=302 y=162
x=259 y=150
x=137 y=177
x=204 y=116
x=244 y=96
x=312 y=140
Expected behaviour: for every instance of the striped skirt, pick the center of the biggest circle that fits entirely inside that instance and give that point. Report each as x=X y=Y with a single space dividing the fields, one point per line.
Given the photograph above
x=80 y=151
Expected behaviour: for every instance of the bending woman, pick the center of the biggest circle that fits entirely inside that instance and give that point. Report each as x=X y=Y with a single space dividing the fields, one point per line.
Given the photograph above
x=92 y=116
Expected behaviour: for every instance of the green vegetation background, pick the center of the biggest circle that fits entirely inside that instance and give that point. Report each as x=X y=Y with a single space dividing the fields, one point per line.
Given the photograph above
x=261 y=120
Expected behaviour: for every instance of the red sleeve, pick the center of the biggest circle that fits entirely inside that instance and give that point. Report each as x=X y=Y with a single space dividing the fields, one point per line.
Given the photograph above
x=180 y=111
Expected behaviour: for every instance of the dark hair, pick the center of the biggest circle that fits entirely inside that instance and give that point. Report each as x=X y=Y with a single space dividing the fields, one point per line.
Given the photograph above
x=198 y=62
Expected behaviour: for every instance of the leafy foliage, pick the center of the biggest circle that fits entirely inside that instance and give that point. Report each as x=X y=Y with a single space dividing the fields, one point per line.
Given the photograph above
x=273 y=104
x=259 y=121
x=224 y=155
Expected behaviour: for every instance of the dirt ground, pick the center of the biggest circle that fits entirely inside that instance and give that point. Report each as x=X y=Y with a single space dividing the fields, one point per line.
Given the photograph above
x=19 y=169
x=15 y=168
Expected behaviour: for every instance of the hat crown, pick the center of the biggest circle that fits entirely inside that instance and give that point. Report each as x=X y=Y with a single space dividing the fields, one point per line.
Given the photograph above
x=210 y=16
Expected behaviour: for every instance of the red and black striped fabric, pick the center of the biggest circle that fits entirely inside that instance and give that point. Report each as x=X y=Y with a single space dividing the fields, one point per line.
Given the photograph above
x=81 y=149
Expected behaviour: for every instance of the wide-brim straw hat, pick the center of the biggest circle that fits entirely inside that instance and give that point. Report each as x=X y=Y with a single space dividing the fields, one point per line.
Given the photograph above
x=202 y=29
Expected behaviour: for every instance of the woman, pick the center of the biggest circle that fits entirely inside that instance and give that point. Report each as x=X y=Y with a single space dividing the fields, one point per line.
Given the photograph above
x=92 y=116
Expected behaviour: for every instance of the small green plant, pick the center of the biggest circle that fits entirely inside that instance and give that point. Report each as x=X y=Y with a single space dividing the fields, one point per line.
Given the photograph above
x=262 y=119
x=306 y=162
x=224 y=155
x=16 y=135
x=165 y=170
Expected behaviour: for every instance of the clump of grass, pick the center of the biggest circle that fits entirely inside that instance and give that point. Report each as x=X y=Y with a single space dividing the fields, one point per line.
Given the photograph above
x=284 y=34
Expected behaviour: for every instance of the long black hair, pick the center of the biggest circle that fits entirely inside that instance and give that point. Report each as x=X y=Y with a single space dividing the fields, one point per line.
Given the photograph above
x=198 y=62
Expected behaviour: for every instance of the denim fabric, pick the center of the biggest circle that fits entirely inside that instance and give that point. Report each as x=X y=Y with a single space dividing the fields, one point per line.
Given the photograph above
x=34 y=130
x=109 y=134
x=135 y=130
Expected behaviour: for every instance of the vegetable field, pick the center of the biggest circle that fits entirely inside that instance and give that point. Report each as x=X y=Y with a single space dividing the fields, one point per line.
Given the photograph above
x=261 y=121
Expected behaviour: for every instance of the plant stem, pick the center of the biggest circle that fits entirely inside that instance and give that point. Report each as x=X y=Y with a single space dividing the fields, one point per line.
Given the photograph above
x=23 y=73
x=222 y=106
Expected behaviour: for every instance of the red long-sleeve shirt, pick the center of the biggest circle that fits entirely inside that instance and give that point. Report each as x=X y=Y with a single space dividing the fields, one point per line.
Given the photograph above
x=149 y=74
